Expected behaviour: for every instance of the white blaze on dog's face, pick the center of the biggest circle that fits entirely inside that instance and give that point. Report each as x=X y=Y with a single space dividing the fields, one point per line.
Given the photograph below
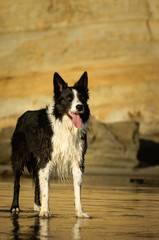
x=76 y=109
x=76 y=106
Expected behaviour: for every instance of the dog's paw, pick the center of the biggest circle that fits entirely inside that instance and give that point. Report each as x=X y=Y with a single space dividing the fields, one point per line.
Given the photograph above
x=44 y=214
x=15 y=210
x=37 y=208
x=82 y=214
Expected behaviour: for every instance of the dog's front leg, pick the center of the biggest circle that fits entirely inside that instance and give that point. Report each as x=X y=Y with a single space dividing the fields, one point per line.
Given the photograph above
x=44 y=187
x=77 y=180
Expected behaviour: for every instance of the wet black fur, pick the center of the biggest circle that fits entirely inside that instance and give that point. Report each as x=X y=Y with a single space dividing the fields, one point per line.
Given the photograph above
x=31 y=140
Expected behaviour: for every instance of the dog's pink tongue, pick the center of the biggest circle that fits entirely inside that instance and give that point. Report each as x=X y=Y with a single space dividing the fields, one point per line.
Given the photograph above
x=76 y=120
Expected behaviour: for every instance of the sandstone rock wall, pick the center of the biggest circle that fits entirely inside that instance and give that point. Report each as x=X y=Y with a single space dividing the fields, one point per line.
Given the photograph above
x=116 y=41
x=113 y=144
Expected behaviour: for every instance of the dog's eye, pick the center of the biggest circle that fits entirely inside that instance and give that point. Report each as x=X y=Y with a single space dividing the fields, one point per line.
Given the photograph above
x=69 y=98
x=82 y=98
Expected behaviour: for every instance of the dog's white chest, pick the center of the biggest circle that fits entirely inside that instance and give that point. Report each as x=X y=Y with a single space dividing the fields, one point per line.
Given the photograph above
x=67 y=146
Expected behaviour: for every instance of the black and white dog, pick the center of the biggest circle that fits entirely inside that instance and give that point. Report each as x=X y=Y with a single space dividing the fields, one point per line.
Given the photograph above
x=53 y=139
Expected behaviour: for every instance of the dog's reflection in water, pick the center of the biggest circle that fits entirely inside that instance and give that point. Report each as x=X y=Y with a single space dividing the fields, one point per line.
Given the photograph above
x=77 y=228
x=40 y=229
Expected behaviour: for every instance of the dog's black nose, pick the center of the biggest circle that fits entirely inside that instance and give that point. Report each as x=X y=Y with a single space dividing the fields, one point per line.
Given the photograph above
x=79 y=107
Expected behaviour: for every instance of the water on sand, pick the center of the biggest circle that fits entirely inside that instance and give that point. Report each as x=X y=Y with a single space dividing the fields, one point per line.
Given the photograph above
x=121 y=209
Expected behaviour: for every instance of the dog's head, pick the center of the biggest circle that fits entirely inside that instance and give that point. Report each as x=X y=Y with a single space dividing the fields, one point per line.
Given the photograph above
x=71 y=101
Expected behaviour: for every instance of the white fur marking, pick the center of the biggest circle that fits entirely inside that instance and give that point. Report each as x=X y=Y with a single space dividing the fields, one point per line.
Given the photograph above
x=44 y=187
x=77 y=181
x=75 y=102
x=67 y=144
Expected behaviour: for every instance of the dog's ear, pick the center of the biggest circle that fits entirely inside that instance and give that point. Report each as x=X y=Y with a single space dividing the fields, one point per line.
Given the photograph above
x=83 y=82
x=59 y=84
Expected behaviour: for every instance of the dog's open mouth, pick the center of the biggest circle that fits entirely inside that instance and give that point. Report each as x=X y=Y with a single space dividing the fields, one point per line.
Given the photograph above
x=75 y=117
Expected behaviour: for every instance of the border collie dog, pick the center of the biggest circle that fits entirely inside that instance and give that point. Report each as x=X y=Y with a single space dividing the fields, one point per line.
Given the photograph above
x=53 y=139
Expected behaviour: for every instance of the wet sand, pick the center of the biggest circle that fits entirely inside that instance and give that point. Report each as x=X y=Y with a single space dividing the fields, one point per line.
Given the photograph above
x=120 y=209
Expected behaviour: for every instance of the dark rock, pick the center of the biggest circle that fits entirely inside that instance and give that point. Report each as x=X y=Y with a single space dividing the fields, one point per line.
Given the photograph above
x=148 y=154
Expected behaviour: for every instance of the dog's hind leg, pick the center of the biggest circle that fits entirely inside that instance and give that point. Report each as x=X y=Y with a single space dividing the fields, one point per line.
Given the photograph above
x=19 y=157
x=15 y=203
x=77 y=180
x=37 y=204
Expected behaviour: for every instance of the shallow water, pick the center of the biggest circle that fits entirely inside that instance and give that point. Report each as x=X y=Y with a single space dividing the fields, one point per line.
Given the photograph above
x=120 y=209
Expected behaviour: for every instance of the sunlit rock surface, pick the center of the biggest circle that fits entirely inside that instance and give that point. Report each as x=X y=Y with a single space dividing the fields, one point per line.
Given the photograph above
x=117 y=42
x=113 y=145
